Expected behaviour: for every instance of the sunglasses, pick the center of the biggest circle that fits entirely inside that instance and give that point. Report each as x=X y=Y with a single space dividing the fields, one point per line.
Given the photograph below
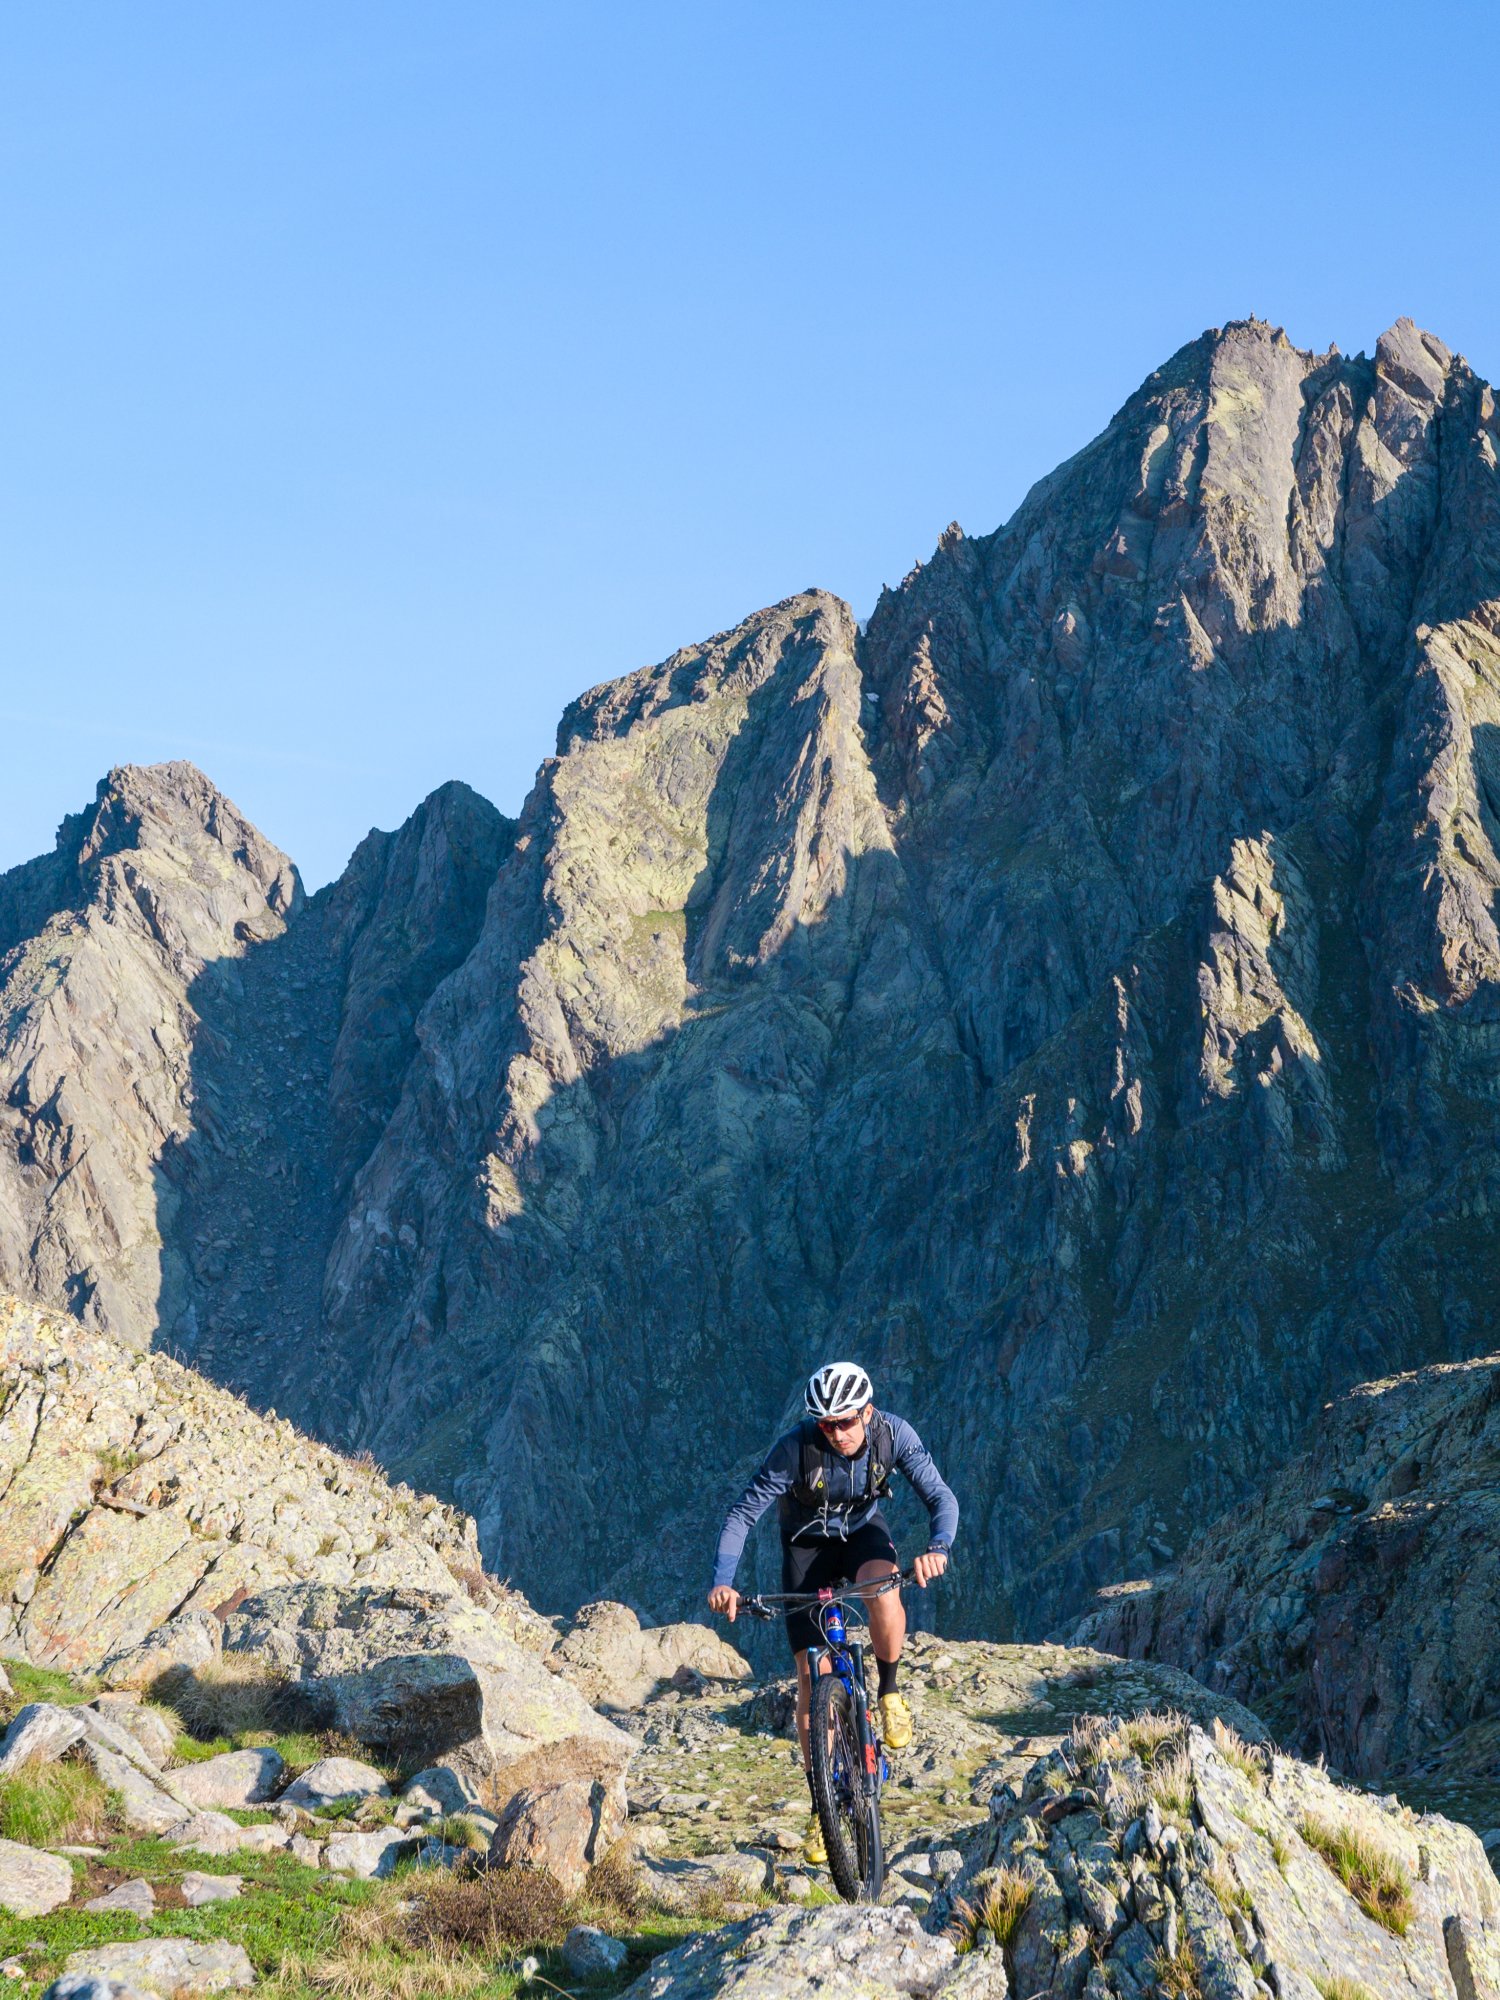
x=832 y=1424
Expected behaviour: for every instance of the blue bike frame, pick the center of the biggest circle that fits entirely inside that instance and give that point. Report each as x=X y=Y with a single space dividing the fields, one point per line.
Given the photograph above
x=848 y=1660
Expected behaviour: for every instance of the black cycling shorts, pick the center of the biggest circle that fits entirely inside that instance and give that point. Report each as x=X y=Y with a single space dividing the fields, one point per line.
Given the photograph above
x=818 y=1564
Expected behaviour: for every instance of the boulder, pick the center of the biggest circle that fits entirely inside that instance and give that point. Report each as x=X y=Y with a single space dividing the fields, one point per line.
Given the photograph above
x=432 y=1676
x=333 y=1778
x=616 y=1662
x=32 y=1883
x=207 y=1833
x=792 y=1954
x=198 y=1888
x=438 y=1790
x=39 y=1734
x=590 y=1953
x=265 y=1839
x=173 y=1968
x=238 y=1778
x=146 y=1806
x=370 y=1855
x=561 y=1829
x=148 y=1726
x=138 y=1898
x=188 y=1641
x=680 y=1883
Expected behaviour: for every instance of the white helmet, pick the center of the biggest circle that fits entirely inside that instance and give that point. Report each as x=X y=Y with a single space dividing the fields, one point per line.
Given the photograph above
x=838 y=1390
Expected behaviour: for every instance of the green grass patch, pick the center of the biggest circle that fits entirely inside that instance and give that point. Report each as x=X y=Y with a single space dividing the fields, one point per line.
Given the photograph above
x=1371 y=1873
x=296 y=1913
x=1338 y=1987
x=49 y=1805
x=30 y=1683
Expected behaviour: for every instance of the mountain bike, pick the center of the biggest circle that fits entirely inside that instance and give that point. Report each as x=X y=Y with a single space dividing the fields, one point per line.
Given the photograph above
x=848 y=1761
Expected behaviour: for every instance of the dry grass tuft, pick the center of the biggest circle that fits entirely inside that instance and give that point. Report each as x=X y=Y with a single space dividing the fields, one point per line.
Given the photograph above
x=1169 y=1780
x=999 y=1908
x=1339 y=1987
x=236 y=1695
x=1248 y=1759
x=1148 y=1736
x=1177 y=1977
x=1374 y=1877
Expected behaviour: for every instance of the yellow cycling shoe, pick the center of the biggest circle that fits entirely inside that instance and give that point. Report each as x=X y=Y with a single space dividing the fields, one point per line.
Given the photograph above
x=814 y=1848
x=895 y=1722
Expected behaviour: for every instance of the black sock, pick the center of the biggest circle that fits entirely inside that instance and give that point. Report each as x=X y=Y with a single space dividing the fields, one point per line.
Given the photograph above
x=809 y=1777
x=886 y=1669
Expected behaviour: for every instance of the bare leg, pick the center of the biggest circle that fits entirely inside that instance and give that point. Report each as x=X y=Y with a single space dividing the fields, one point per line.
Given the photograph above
x=804 y=1702
x=887 y=1614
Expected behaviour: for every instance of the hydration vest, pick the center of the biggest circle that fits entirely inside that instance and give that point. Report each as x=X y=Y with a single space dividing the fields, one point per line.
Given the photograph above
x=811 y=1490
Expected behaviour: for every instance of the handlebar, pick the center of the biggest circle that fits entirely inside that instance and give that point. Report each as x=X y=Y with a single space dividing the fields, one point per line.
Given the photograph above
x=760 y=1606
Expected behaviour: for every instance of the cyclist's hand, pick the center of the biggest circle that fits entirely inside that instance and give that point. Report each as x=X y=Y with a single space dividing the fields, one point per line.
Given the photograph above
x=724 y=1597
x=929 y=1567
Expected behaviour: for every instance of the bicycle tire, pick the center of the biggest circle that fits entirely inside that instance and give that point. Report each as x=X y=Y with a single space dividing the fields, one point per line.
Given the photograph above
x=847 y=1812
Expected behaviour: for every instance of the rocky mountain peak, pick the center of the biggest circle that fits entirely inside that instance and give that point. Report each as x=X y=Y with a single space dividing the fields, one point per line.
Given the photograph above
x=1074 y=994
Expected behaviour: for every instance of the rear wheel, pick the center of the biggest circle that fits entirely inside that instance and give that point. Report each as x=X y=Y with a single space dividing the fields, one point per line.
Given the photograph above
x=848 y=1809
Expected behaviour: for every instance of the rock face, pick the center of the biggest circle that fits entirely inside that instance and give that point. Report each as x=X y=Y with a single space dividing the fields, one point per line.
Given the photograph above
x=1075 y=994
x=1353 y=1603
x=134 y=1492
x=1130 y=1852
x=426 y=1675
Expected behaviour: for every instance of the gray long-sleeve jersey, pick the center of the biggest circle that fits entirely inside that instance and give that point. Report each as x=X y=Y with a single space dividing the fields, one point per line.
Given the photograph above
x=847 y=1507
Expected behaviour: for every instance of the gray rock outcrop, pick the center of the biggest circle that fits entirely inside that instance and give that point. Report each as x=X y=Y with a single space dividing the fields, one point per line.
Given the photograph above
x=1353 y=1602
x=860 y=1953
x=1144 y=1852
x=431 y=1676
x=135 y=1496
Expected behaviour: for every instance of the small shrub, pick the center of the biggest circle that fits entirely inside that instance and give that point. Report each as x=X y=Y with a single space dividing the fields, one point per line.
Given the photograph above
x=490 y=1913
x=614 y=1887
x=1373 y=1876
x=50 y=1805
x=1338 y=1987
x=1177 y=1977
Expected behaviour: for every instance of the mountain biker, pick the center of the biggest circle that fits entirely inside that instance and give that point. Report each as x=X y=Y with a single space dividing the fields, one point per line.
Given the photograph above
x=828 y=1478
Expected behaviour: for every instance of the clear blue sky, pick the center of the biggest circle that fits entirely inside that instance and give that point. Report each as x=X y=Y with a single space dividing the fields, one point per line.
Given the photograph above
x=377 y=376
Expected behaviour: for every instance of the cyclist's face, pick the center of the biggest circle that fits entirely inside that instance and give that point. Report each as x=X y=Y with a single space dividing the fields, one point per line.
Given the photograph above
x=847 y=1434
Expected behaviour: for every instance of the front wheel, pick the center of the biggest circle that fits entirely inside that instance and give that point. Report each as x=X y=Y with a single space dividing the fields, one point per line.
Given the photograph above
x=847 y=1802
